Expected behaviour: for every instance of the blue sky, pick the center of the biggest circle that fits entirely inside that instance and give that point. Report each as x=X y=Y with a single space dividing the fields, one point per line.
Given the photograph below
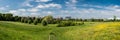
x=62 y=8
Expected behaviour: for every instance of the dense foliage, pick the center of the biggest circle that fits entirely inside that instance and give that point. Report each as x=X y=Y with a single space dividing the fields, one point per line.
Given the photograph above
x=49 y=20
x=64 y=24
x=44 y=23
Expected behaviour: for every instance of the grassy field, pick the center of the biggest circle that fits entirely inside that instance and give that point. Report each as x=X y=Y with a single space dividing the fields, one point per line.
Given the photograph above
x=88 y=31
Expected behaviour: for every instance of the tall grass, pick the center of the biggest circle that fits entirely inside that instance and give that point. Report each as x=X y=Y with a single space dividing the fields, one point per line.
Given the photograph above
x=88 y=31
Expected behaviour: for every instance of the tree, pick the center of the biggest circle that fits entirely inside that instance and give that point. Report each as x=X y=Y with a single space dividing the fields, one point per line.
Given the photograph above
x=48 y=19
x=0 y=16
x=35 y=21
x=114 y=18
x=16 y=18
x=8 y=16
x=25 y=20
x=39 y=20
x=29 y=21
x=44 y=23
x=22 y=19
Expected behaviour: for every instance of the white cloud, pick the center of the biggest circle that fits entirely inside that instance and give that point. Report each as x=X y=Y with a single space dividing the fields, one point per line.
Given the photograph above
x=49 y=12
x=2 y=8
x=15 y=12
x=12 y=11
x=18 y=12
x=7 y=6
x=51 y=5
x=33 y=10
x=27 y=3
x=22 y=10
x=91 y=13
x=71 y=4
x=94 y=6
x=110 y=7
x=43 y=0
x=25 y=12
x=35 y=14
x=73 y=1
x=40 y=6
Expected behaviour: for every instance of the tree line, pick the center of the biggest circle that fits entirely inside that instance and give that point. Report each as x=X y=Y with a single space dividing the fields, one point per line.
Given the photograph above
x=35 y=20
x=48 y=20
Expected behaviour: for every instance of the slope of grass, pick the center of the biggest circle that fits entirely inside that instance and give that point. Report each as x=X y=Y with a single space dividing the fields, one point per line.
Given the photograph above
x=100 y=31
x=88 y=31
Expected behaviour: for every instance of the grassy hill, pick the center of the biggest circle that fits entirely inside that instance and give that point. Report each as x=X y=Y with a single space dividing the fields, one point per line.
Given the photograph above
x=88 y=31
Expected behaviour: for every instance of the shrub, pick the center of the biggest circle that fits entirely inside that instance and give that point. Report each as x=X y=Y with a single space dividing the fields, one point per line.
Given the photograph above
x=25 y=21
x=29 y=21
x=22 y=20
x=48 y=19
x=44 y=23
x=35 y=21
x=66 y=24
x=80 y=23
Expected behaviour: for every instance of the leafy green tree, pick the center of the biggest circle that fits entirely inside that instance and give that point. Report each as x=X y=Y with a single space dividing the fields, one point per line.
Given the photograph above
x=29 y=21
x=22 y=19
x=0 y=16
x=16 y=18
x=48 y=19
x=25 y=20
x=35 y=21
x=114 y=18
x=8 y=16
x=44 y=23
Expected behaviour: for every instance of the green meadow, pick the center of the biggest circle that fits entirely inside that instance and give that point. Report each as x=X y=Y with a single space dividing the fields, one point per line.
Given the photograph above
x=87 y=31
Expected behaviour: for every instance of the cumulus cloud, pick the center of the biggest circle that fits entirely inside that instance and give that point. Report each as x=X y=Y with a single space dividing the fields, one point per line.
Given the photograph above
x=110 y=7
x=12 y=11
x=18 y=11
x=73 y=1
x=92 y=12
x=88 y=12
x=51 y=5
x=71 y=4
x=27 y=3
x=43 y=0
x=22 y=10
x=4 y=8
x=33 y=10
x=49 y=13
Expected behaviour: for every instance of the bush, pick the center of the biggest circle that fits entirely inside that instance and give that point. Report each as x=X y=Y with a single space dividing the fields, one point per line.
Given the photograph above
x=35 y=21
x=80 y=23
x=22 y=20
x=66 y=24
x=44 y=23
x=25 y=21
x=29 y=21
x=48 y=19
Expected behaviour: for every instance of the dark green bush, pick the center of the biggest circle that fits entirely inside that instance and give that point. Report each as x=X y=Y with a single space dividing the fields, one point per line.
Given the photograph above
x=25 y=21
x=64 y=24
x=44 y=23
x=35 y=21
x=22 y=20
x=80 y=23
x=29 y=21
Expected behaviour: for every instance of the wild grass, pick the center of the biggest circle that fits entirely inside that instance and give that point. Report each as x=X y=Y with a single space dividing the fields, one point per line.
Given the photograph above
x=88 y=31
